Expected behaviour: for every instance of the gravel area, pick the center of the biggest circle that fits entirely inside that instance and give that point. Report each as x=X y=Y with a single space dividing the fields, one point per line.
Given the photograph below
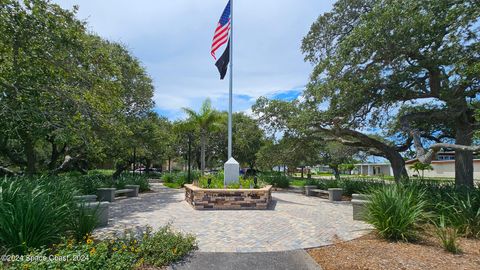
x=370 y=252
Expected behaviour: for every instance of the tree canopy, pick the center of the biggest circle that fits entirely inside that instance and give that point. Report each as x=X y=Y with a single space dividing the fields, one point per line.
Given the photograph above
x=382 y=61
x=65 y=94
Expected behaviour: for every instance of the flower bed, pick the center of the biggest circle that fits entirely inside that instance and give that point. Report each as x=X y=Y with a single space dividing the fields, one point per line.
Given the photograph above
x=228 y=199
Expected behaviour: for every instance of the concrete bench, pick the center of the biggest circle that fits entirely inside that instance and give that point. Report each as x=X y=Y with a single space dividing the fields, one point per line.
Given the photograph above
x=108 y=194
x=334 y=194
x=100 y=209
x=85 y=198
x=359 y=203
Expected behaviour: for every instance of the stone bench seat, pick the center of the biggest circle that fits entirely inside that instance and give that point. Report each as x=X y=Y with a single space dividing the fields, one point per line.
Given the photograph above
x=108 y=194
x=320 y=191
x=85 y=198
x=334 y=194
x=123 y=191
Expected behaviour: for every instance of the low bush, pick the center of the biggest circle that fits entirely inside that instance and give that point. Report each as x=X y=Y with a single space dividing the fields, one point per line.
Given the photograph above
x=276 y=179
x=88 y=184
x=217 y=181
x=178 y=179
x=168 y=177
x=396 y=211
x=158 y=249
x=349 y=185
x=133 y=179
x=165 y=246
x=359 y=186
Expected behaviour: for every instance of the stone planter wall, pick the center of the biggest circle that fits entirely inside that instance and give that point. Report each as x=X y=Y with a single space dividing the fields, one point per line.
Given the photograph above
x=228 y=199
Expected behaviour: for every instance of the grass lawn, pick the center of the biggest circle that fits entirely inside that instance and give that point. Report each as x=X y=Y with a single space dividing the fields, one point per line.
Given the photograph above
x=298 y=182
x=370 y=252
x=172 y=185
x=102 y=172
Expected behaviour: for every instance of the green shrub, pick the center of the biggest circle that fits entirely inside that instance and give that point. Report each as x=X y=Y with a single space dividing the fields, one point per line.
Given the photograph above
x=396 y=210
x=276 y=179
x=165 y=246
x=133 y=179
x=216 y=181
x=83 y=221
x=362 y=186
x=168 y=177
x=180 y=178
x=105 y=172
x=447 y=235
x=33 y=213
x=126 y=252
x=88 y=184
x=462 y=211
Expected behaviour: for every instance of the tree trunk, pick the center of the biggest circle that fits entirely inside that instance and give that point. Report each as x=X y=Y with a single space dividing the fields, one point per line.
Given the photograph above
x=148 y=164
x=71 y=163
x=120 y=169
x=169 y=164
x=55 y=155
x=463 y=159
x=336 y=172
x=30 y=154
x=398 y=166
x=203 y=141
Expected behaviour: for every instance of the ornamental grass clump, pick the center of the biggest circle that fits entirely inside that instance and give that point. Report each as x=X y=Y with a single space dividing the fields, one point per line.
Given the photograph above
x=447 y=235
x=462 y=211
x=396 y=211
x=33 y=213
x=84 y=220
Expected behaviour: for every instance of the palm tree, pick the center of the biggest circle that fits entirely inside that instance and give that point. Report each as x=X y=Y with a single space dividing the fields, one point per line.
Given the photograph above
x=206 y=120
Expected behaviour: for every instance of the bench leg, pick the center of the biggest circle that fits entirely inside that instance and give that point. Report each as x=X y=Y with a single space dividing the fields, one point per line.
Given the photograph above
x=102 y=216
x=335 y=194
x=359 y=210
x=308 y=190
x=106 y=194
x=99 y=209
x=135 y=191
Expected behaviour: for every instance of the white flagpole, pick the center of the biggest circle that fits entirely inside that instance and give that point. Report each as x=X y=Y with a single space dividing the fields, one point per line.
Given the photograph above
x=231 y=84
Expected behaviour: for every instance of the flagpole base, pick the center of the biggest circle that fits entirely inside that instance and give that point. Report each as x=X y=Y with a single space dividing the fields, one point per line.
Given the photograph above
x=231 y=172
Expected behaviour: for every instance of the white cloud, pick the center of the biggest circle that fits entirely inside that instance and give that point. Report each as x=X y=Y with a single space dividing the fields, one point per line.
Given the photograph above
x=173 y=38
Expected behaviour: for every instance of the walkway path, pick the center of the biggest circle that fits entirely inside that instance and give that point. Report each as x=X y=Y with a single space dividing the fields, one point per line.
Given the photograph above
x=295 y=222
x=281 y=260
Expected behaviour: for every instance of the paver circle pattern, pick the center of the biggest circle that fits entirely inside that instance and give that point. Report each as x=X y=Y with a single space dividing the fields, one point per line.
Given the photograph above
x=295 y=222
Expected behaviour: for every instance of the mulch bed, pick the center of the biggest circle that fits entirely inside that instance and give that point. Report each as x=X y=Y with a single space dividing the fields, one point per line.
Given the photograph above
x=370 y=252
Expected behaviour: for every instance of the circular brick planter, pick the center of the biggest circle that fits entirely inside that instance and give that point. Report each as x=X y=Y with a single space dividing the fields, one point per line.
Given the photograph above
x=228 y=199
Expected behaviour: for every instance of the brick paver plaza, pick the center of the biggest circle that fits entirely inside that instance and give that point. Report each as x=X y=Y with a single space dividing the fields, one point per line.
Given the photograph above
x=295 y=221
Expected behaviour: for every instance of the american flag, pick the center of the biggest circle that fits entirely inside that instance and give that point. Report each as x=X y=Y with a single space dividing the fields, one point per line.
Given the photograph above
x=222 y=32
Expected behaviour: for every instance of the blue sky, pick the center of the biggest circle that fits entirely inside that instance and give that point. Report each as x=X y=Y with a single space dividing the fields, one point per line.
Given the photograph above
x=172 y=39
